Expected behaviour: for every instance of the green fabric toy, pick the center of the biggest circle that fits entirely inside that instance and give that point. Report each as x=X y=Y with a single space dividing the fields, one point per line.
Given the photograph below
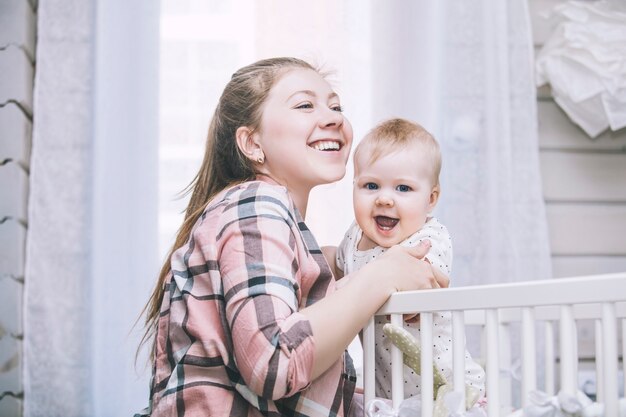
x=410 y=347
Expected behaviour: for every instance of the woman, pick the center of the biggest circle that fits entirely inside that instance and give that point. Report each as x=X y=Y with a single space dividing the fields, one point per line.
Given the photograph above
x=246 y=315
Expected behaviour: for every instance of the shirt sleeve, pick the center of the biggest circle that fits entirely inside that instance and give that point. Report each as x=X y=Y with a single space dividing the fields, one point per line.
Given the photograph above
x=344 y=249
x=259 y=265
x=341 y=255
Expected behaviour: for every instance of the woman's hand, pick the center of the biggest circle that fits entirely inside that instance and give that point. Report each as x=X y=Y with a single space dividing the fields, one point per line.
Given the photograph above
x=404 y=269
x=398 y=269
x=428 y=276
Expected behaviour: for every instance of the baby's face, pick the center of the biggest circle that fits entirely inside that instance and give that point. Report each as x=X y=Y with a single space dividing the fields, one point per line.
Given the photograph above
x=392 y=196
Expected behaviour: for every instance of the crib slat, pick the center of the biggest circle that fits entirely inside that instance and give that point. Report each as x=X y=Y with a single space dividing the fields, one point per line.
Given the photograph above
x=458 y=352
x=506 y=361
x=369 y=342
x=426 y=364
x=624 y=353
x=493 y=361
x=549 y=358
x=397 y=368
x=529 y=376
x=609 y=359
x=599 y=363
x=567 y=344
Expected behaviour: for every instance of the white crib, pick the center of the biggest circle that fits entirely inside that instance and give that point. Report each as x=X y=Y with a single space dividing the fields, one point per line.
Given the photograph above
x=557 y=302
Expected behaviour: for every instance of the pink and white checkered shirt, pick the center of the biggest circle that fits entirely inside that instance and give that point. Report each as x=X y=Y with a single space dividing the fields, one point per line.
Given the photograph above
x=230 y=340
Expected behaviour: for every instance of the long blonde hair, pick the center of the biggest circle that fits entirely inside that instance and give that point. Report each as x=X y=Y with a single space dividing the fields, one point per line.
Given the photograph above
x=223 y=165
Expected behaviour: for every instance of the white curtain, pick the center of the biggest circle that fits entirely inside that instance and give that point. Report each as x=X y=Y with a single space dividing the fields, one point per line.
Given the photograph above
x=465 y=71
x=491 y=189
x=92 y=242
x=491 y=198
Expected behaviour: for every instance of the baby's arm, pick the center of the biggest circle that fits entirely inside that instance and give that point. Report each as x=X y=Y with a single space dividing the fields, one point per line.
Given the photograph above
x=330 y=254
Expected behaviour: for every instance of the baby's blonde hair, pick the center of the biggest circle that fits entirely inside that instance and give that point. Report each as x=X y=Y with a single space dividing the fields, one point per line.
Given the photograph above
x=396 y=134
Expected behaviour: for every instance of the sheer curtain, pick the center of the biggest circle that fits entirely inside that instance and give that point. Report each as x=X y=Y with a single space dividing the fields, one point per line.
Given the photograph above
x=465 y=71
x=91 y=250
x=491 y=198
x=491 y=189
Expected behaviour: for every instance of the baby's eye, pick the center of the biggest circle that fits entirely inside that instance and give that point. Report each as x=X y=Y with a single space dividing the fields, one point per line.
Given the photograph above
x=306 y=105
x=371 y=186
x=337 y=107
x=403 y=188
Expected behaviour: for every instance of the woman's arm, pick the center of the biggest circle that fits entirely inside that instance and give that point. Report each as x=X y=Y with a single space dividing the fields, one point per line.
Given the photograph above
x=278 y=349
x=338 y=318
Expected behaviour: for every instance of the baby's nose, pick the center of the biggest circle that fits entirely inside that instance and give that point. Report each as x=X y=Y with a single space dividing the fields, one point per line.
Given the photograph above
x=384 y=200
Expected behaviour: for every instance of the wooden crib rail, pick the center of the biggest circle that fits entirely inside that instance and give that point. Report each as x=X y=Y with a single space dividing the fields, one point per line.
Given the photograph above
x=578 y=290
x=558 y=301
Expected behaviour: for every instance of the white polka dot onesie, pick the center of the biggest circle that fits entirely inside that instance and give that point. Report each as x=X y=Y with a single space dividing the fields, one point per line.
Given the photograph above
x=350 y=259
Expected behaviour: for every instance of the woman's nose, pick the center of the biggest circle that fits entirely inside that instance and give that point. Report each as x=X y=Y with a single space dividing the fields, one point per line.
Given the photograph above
x=332 y=118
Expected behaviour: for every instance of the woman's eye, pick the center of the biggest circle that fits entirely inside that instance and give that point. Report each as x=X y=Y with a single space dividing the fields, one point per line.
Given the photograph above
x=337 y=107
x=371 y=186
x=304 y=106
x=403 y=188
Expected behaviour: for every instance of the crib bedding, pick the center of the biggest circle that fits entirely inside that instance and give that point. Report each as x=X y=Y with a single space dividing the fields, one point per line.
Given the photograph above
x=519 y=309
x=542 y=406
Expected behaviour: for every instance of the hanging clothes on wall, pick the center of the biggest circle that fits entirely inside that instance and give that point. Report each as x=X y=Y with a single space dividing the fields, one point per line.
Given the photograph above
x=584 y=61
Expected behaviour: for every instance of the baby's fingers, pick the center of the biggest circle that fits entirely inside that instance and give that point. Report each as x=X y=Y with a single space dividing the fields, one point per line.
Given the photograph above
x=412 y=318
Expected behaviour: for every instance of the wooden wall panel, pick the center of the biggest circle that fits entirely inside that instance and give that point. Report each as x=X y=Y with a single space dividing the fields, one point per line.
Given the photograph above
x=17 y=25
x=587 y=229
x=12 y=242
x=557 y=132
x=14 y=194
x=16 y=82
x=584 y=177
x=571 y=266
x=15 y=135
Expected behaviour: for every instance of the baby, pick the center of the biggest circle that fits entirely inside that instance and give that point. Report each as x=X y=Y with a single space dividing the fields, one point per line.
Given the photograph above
x=396 y=187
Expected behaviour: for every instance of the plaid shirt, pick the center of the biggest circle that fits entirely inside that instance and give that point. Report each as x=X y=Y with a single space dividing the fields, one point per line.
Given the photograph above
x=230 y=340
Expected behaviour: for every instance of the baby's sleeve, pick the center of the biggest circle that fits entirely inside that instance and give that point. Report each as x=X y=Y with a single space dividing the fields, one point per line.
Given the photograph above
x=342 y=258
x=440 y=253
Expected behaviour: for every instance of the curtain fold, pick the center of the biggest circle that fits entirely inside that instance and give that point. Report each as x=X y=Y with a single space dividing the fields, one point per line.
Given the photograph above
x=491 y=196
x=92 y=241
x=491 y=199
x=57 y=333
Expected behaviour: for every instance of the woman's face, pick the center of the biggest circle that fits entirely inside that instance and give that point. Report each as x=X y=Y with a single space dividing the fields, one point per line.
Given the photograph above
x=303 y=134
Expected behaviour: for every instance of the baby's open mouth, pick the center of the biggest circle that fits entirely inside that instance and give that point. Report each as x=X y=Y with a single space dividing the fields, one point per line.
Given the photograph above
x=386 y=223
x=326 y=145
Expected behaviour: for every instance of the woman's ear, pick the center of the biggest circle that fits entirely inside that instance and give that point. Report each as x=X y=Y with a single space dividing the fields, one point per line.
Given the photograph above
x=248 y=145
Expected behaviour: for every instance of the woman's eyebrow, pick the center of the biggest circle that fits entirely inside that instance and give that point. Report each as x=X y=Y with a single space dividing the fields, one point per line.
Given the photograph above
x=312 y=94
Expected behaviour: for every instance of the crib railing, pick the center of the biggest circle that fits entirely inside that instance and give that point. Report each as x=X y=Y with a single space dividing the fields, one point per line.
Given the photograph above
x=557 y=302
